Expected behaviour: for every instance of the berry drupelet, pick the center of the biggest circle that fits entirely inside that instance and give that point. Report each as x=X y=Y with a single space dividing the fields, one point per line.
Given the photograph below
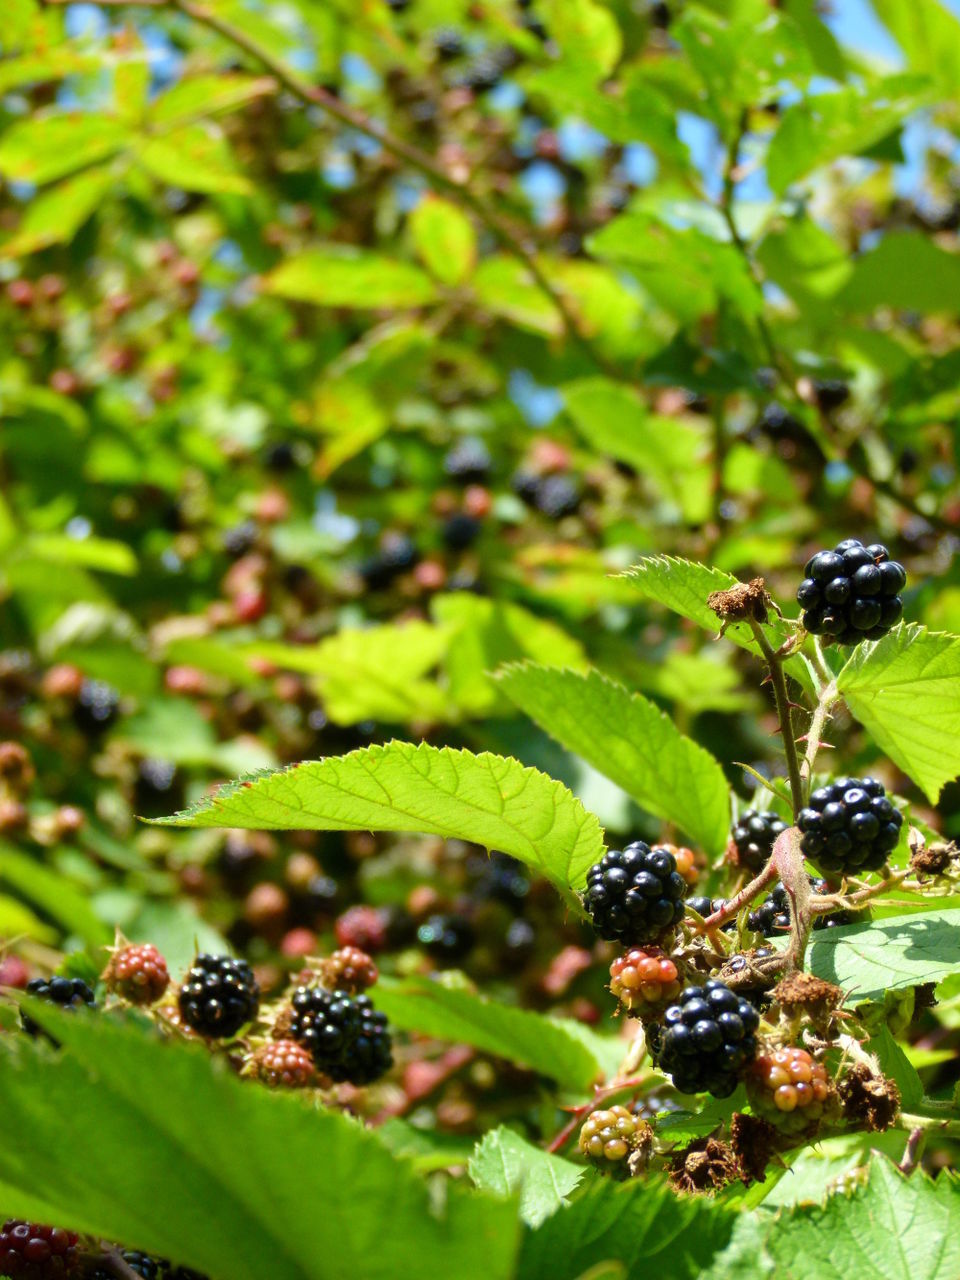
x=218 y=996
x=635 y=894
x=68 y=993
x=850 y=825
x=753 y=838
x=29 y=1251
x=138 y=973
x=852 y=593
x=607 y=1137
x=643 y=980
x=788 y=1088
x=344 y=1035
x=283 y=1064
x=707 y=1039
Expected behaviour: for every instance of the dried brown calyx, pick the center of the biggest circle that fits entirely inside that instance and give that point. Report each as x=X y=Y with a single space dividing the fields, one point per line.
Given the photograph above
x=743 y=602
x=754 y=1144
x=869 y=1101
x=706 y=1166
x=934 y=859
x=802 y=993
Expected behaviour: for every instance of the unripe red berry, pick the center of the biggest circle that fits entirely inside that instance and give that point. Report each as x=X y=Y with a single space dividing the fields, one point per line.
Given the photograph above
x=138 y=973
x=250 y=606
x=52 y=287
x=686 y=861
x=29 y=1251
x=284 y=1064
x=362 y=927
x=788 y=1087
x=20 y=293
x=65 y=382
x=349 y=969
x=298 y=942
x=62 y=681
x=644 y=978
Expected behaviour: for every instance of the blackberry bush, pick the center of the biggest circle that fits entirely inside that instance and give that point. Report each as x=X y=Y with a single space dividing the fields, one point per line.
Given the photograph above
x=345 y=1036
x=707 y=1039
x=852 y=593
x=635 y=894
x=850 y=825
x=219 y=995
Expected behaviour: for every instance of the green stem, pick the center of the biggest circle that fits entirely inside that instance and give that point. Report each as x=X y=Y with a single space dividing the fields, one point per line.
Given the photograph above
x=778 y=680
x=930 y=1124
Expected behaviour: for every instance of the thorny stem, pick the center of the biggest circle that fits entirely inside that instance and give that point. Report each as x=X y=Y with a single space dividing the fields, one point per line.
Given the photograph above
x=778 y=680
x=913 y=1151
x=828 y=698
x=739 y=900
x=928 y=1124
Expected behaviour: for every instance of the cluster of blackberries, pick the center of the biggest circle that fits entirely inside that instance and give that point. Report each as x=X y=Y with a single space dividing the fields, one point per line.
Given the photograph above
x=68 y=993
x=344 y=1035
x=219 y=995
x=397 y=554
x=555 y=495
x=852 y=593
x=635 y=894
x=753 y=837
x=468 y=461
x=850 y=825
x=773 y=914
x=141 y=1264
x=707 y=1039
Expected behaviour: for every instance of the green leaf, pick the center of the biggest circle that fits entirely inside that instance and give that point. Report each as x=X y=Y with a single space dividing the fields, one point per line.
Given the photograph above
x=86 y=1138
x=444 y=238
x=895 y=1064
x=426 y=1149
x=929 y=35
x=632 y=742
x=195 y=157
x=640 y=1224
x=507 y=1164
x=506 y=287
x=54 y=895
x=104 y=554
x=206 y=95
x=826 y=126
x=885 y=955
x=518 y=1035
x=587 y=33
x=42 y=148
x=907 y=271
x=175 y=729
x=904 y=691
x=491 y=800
x=337 y=276
x=615 y=421
x=374 y=672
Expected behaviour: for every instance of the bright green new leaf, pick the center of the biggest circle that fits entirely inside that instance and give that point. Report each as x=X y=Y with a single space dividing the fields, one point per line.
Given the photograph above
x=929 y=35
x=905 y=691
x=207 y=95
x=55 y=216
x=488 y=799
x=338 y=276
x=519 y=1035
x=94 y=1167
x=42 y=148
x=587 y=33
x=505 y=287
x=507 y=1164
x=444 y=238
x=632 y=742
x=196 y=157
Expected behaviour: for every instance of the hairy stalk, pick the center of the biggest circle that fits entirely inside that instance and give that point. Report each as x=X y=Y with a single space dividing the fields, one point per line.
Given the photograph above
x=928 y=1124
x=913 y=1152
x=778 y=680
x=827 y=700
x=739 y=900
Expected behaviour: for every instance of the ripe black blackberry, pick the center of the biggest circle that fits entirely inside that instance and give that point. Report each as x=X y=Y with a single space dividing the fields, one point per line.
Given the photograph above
x=461 y=531
x=397 y=554
x=773 y=914
x=345 y=1036
x=705 y=906
x=502 y=878
x=743 y=979
x=850 y=825
x=96 y=707
x=447 y=43
x=447 y=938
x=852 y=593
x=557 y=496
x=68 y=993
x=830 y=393
x=468 y=461
x=707 y=1039
x=218 y=996
x=634 y=894
x=753 y=837
x=240 y=539
x=30 y=1251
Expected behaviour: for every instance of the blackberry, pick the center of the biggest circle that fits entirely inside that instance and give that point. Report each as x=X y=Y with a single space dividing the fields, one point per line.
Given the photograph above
x=446 y=937
x=344 y=1035
x=68 y=993
x=137 y=973
x=218 y=996
x=29 y=1251
x=633 y=895
x=641 y=978
x=96 y=707
x=281 y=456
x=852 y=593
x=773 y=914
x=753 y=838
x=520 y=941
x=148 y=1268
x=707 y=1039
x=502 y=879
x=705 y=906
x=849 y=825
x=461 y=531
x=607 y=1137
x=447 y=43
x=240 y=539
x=557 y=496
x=752 y=987
x=468 y=461
x=283 y=1064
x=660 y=15
x=525 y=485
x=830 y=393
x=397 y=554
x=788 y=1088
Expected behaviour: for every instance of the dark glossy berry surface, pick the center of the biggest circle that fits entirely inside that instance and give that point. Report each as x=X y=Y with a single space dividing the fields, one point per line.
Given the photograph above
x=705 y=906
x=447 y=938
x=68 y=993
x=30 y=1251
x=557 y=496
x=461 y=531
x=218 y=996
x=96 y=706
x=635 y=894
x=707 y=1039
x=344 y=1035
x=773 y=914
x=753 y=837
x=852 y=593
x=849 y=826
x=468 y=461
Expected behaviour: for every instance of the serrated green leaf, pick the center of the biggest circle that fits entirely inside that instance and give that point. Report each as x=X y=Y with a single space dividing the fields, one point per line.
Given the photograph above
x=337 y=276
x=900 y=951
x=444 y=238
x=491 y=800
x=519 y=1035
x=673 y=455
x=506 y=1164
x=904 y=690
x=632 y=742
x=42 y=148
x=195 y=157
x=640 y=1224
x=85 y=1137
x=54 y=895
x=206 y=95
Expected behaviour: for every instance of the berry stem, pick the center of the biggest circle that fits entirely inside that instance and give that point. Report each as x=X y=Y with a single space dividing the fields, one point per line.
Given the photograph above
x=914 y=1150
x=829 y=697
x=928 y=1124
x=739 y=900
x=778 y=680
